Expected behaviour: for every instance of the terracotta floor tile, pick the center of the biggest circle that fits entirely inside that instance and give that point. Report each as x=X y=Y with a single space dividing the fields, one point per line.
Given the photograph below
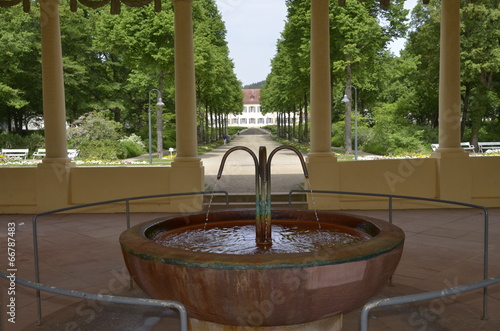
x=443 y=248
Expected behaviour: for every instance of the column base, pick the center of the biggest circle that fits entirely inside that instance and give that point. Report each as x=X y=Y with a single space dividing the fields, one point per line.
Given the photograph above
x=323 y=175
x=449 y=152
x=333 y=323
x=453 y=174
x=53 y=183
x=188 y=175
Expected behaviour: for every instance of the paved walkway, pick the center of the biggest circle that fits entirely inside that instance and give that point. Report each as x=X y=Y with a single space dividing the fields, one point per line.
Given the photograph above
x=238 y=175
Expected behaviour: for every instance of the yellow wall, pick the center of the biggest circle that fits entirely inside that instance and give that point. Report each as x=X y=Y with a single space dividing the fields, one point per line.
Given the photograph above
x=413 y=177
x=18 y=189
x=486 y=180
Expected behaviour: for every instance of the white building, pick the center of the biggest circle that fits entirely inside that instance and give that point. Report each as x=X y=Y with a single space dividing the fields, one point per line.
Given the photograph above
x=252 y=115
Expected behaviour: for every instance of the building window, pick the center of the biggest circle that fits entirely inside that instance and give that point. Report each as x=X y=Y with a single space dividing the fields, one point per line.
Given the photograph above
x=243 y=121
x=252 y=109
x=269 y=120
x=252 y=120
x=245 y=109
x=235 y=121
x=260 y=120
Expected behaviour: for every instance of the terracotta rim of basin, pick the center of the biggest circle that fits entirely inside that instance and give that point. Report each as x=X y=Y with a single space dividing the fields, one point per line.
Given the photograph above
x=385 y=237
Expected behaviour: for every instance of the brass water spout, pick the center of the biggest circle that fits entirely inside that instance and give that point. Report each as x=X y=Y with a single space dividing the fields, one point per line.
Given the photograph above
x=260 y=237
x=262 y=187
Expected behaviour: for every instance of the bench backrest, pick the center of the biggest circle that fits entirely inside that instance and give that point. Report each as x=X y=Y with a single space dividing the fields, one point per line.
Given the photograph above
x=72 y=153
x=8 y=152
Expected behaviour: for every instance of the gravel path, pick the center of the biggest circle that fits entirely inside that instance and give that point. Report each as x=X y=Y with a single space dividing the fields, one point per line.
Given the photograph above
x=239 y=170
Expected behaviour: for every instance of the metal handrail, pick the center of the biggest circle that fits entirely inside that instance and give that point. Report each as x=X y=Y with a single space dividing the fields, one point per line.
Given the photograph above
x=127 y=212
x=421 y=297
x=107 y=298
x=463 y=204
x=164 y=303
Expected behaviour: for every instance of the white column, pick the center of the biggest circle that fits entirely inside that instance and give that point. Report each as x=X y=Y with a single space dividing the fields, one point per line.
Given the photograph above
x=185 y=90
x=187 y=171
x=449 y=78
x=54 y=104
x=453 y=164
x=320 y=78
x=321 y=161
x=53 y=174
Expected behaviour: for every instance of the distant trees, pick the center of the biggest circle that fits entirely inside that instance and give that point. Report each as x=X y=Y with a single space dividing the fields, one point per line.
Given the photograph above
x=397 y=96
x=480 y=68
x=20 y=72
x=111 y=62
x=257 y=85
x=358 y=40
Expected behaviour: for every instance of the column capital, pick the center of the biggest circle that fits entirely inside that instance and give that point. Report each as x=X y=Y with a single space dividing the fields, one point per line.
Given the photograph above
x=442 y=153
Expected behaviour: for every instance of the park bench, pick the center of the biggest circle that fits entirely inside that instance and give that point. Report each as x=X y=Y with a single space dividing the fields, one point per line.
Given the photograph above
x=39 y=153
x=465 y=145
x=72 y=153
x=483 y=147
x=15 y=153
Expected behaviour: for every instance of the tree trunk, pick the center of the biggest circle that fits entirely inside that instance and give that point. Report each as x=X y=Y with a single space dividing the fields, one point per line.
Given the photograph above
x=348 y=112
x=306 y=119
x=300 y=135
x=212 y=131
x=207 y=126
x=294 y=121
x=159 y=123
x=278 y=124
x=465 y=113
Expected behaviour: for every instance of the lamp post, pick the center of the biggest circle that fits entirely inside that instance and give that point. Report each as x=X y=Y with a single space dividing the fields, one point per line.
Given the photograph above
x=159 y=103
x=345 y=99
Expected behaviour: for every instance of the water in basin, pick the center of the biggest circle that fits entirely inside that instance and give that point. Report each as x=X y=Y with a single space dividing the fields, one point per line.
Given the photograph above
x=239 y=238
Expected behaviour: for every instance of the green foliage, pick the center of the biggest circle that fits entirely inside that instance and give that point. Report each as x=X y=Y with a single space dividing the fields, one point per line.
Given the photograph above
x=32 y=141
x=272 y=128
x=96 y=136
x=133 y=146
x=257 y=85
x=112 y=62
x=358 y=35
x=392 y=134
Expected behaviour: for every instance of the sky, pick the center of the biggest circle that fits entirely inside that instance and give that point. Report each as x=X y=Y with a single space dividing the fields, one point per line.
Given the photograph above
x=253 y=28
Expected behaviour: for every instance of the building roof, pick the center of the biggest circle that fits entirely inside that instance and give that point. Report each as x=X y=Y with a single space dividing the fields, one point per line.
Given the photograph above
x=251 y=96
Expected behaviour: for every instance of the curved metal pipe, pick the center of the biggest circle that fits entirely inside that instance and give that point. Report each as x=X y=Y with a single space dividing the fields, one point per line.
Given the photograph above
x=259 y=208
x=236 y=148
x=293 y=149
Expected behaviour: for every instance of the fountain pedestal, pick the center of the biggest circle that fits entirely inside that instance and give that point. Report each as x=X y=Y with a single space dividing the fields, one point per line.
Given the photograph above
x=333 y=323
x=267 y=290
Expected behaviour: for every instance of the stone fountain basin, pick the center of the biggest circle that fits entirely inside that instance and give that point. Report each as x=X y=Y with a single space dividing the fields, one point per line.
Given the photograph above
x=264 y=289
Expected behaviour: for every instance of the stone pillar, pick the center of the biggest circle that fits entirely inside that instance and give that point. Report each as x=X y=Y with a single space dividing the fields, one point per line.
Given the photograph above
x=453 y=164
x=321 y=117
x=321 y=161
x=187 y=170
x=54 y=102
x=449 y=78
x=53 y=172
x=185 y=89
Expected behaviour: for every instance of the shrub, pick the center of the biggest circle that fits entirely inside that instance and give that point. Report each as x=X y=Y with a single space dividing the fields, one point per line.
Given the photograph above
x=105 y=149
x=13 y=140
x=132 y=146
x=93 y=126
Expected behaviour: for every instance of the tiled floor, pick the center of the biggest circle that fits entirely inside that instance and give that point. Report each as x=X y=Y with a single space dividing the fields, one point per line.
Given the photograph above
x=443 y=248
